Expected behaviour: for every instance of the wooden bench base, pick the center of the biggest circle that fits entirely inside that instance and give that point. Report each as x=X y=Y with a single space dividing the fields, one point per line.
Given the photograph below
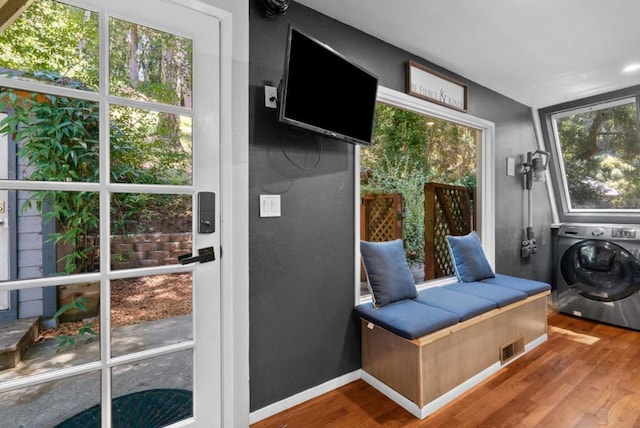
x=424 y=374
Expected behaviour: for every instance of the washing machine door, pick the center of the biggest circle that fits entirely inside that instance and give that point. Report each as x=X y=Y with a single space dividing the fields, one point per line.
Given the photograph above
x=600 y=270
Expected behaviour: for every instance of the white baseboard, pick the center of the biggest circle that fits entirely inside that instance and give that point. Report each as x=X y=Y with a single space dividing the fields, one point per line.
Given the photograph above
x=391 y=394
x=421 y=413
x=303 y=396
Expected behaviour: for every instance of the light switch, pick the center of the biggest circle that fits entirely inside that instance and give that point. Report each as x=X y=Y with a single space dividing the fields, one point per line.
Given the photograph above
x=511 y=167
x=269 y=205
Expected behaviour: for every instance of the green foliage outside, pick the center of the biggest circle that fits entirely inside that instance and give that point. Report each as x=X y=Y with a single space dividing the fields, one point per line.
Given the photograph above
x=409 y=150
x=86 y=333
x=59 y=141
x=601 y=154
x=57 y=137
x=53 y=37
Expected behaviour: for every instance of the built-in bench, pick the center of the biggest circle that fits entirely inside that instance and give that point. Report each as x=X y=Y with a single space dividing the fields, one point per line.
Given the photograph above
x=424 y=350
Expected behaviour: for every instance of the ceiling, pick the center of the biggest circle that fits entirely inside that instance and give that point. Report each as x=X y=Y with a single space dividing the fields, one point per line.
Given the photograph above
x=538 y=52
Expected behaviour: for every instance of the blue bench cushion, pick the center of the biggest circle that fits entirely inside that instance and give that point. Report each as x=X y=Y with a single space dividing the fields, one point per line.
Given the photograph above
x=407 y=318
x=388 y=274
x=529 y=286
x=501 y=295
x=466 y=306
x=469 y=261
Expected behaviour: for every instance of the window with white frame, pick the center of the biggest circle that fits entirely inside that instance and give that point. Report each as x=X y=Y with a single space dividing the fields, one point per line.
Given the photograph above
x=471 y=152
x=598 y=151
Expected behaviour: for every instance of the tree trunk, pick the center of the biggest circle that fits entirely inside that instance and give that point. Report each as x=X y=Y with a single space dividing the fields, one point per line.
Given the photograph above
x=134 y=64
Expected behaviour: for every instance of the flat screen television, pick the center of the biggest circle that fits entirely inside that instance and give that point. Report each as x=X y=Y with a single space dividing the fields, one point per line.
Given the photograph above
x=324 y=92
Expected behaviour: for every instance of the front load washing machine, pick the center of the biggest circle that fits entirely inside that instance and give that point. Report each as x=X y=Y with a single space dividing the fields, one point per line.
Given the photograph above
x=598 y=272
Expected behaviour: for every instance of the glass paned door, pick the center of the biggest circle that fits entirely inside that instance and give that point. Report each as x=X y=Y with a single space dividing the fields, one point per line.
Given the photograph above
x=109 y=111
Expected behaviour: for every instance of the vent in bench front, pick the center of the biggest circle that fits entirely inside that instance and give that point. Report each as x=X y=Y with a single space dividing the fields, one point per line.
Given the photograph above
x=511 y=350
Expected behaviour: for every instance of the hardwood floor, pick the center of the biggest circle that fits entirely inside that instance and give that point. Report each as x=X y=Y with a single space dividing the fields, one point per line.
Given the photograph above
x=586 y=375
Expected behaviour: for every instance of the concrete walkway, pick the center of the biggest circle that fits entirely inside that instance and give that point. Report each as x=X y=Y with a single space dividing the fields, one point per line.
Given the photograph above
x=48 y=404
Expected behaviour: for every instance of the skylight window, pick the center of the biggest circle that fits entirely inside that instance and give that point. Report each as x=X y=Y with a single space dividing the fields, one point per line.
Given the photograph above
x=598 y=149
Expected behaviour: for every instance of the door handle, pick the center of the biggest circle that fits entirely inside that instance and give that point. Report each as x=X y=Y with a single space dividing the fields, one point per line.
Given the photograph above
x=204 y=255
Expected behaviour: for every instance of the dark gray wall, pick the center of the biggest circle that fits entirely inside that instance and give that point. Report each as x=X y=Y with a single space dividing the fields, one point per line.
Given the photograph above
x=514 y=138
x=301 y=265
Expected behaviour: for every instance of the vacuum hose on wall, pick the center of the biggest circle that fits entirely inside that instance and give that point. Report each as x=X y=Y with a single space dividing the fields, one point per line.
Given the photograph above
x=534 y=169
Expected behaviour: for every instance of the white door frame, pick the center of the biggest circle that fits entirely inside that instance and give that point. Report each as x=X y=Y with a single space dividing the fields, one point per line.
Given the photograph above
x=234 y=185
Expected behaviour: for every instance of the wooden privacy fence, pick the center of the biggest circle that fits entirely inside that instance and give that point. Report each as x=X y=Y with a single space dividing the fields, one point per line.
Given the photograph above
x=380 y=218
x=447 y=211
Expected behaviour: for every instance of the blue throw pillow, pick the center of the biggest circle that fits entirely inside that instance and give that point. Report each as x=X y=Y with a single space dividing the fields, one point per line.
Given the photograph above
x=468 y=258
x=387 y=270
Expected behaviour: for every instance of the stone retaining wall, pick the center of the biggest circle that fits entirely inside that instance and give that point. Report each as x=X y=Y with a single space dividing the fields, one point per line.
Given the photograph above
x=153 y=249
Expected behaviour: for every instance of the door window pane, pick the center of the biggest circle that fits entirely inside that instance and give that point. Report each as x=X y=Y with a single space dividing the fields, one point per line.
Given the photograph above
x=59 y=328
x=600 y=155
x=150 y=311
x=147 y=64
x=149 y=230
x=50 y=137
x=52 y=43
x=149 y=147
x=51 y=403
x=154 y=392
x=55 y=232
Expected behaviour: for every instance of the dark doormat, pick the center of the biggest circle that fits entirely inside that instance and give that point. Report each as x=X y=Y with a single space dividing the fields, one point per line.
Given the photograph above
x=144 y=409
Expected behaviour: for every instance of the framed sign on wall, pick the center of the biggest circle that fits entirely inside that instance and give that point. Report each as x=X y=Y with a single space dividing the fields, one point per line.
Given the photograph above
x=431 y=85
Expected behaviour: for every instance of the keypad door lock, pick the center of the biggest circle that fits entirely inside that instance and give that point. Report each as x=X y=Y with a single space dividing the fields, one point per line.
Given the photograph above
x=206 y=212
